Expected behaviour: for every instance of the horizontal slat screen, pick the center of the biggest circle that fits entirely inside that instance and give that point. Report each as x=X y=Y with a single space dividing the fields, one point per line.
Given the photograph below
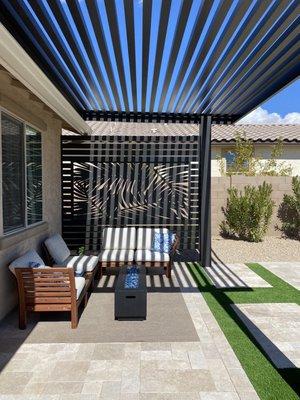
x=129 y=181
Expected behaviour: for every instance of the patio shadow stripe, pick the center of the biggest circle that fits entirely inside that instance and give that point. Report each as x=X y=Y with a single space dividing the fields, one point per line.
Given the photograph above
x=269 y=382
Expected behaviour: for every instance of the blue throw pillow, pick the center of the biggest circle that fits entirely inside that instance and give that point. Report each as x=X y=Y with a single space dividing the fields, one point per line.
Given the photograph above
x=163 y=242
x=33 y=264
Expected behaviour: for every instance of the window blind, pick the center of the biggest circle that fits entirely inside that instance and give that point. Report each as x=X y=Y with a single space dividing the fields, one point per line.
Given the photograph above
x=34 y=175
x=13 y=177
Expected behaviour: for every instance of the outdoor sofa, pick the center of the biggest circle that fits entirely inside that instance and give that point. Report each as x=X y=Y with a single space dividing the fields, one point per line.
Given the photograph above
x=125 y=246
x=59 y=255
x=42 y=288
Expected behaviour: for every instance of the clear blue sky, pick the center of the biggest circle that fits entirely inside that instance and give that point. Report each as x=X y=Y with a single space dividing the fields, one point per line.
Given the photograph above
x=285 y=101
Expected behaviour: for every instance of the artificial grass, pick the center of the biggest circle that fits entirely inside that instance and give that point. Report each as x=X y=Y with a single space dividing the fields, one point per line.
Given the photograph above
x=269 y=382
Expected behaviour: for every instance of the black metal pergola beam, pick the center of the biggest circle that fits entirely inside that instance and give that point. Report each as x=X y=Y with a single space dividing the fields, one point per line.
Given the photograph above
x=98 y=53
x=204 y=196
x=156 y=117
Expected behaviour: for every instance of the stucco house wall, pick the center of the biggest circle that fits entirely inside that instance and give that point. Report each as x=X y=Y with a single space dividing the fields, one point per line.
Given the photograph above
x=291 y=156
x=17 y=101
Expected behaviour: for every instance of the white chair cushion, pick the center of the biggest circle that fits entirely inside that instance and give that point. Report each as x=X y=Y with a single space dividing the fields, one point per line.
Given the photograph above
x=145 y=237
x=57 y=248
x=81 y=264
x=118 y=238
x=116 y=255
x=147 y=255
x=79 y=285
x=24 y=261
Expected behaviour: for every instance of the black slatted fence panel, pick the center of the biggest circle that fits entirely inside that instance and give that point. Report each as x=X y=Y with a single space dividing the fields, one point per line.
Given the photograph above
x=139 y=181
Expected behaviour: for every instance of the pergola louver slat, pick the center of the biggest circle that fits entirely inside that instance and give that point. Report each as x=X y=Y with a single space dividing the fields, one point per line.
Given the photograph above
x=194 y=39
x=274 y=34
x=214 y=27
x=227 y=33
x=98 y=29
x=66 y=29
x=113 y=26
x=205 y=54
x=181 y=25
x=242 y=35
x=147 y=11
x=129 y=20
x=39 y=49
x=74 y=8
x=251 y=82
x=162 y=31
x=41 y=12
x=288 y=73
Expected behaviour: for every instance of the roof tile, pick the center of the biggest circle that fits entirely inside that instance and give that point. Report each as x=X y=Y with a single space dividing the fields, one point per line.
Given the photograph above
x=220 y=133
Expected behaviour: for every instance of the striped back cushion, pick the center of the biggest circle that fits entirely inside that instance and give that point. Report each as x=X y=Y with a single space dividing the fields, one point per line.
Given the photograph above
x=119 y=238
x=145 y=237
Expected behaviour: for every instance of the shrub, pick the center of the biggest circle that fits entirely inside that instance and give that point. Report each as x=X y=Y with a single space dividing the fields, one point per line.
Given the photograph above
x=248 y=213
x=289 y=211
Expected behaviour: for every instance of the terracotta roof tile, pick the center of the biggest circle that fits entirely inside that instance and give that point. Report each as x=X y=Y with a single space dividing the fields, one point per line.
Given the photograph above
x=220 y=133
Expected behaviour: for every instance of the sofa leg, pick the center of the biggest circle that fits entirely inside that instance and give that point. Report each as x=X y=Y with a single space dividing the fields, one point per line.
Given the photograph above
x=100 y=271
x=168 y=270
x=74 y=317
x=22 y=317
x=85 y=300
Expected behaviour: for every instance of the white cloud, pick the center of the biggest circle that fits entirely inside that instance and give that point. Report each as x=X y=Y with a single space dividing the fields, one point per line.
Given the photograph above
x=261 y=116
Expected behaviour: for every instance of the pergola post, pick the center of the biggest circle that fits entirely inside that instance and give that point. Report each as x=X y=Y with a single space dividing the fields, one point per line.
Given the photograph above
x=204 y=151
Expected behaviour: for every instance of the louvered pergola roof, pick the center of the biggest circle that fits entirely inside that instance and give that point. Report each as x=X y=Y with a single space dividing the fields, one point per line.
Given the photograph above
x=160 y=60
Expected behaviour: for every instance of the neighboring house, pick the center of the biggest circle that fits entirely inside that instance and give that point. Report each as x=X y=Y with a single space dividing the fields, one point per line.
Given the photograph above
x=223 y=138
x=263 y=137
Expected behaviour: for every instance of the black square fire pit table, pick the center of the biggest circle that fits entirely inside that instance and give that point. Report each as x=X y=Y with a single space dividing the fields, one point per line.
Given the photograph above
x=131 y=294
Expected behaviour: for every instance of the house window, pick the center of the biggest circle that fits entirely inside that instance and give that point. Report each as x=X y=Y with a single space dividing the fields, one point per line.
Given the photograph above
x=229 y=156
x=21 y=174
x=232 y=165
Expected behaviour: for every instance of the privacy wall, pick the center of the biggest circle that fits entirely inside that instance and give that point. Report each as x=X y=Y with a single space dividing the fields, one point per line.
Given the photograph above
x=123 y=181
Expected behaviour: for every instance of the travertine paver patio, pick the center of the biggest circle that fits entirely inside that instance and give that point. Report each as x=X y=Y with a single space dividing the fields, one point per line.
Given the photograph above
x=288 y=271
x=276 y=326
x=205 y=369
x=225 y=275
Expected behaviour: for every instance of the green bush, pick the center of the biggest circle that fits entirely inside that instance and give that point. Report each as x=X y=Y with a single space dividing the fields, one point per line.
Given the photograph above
x=289 y=211
x=248 y=213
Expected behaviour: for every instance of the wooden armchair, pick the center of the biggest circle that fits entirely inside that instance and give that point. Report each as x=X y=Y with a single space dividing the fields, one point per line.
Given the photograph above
x=50 y=289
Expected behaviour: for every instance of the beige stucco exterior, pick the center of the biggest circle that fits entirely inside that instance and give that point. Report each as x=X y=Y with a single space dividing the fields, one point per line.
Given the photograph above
x=291 y=156
x=18 y=101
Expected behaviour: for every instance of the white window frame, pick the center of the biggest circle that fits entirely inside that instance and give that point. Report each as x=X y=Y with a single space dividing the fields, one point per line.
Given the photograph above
x=24 y=123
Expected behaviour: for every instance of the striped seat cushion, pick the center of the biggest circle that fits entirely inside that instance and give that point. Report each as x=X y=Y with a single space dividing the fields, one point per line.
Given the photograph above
x=116 y=255
x=145 y=237
x=119 y=238
x=80 y=264
x=148 y=255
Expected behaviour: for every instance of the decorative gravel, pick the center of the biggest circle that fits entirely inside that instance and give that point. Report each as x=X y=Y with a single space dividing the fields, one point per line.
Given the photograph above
x=271 y=249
